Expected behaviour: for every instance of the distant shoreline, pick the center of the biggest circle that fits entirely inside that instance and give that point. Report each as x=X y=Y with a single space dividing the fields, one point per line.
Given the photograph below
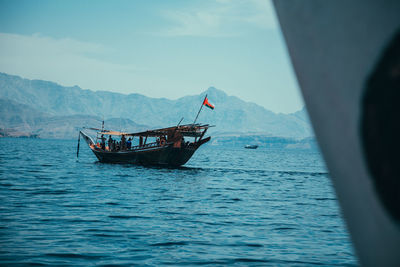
x=263 y=142
x=12 y=133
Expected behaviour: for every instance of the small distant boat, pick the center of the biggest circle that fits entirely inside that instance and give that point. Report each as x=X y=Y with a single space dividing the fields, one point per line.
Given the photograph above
x=251 y=146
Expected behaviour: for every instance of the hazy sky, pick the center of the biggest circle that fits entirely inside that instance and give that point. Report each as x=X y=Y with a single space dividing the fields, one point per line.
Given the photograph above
x=156 y=48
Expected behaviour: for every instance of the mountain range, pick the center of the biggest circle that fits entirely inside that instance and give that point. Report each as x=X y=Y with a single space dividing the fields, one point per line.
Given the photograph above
x=54 y=111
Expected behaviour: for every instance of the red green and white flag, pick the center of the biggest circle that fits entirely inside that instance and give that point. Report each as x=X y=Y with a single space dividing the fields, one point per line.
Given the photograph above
x=207 y=104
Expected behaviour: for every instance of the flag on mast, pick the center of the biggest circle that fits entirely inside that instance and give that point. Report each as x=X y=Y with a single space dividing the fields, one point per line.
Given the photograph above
x=207 y=104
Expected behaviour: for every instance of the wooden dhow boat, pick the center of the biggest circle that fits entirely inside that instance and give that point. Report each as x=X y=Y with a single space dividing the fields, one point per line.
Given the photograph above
x=171 y=146
x=166 y=146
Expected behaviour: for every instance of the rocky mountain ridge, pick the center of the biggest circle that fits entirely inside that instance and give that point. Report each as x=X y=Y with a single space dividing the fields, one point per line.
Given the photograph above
x=42 y=106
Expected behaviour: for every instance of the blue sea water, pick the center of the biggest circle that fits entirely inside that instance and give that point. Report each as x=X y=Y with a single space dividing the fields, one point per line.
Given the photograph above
x=227 y=206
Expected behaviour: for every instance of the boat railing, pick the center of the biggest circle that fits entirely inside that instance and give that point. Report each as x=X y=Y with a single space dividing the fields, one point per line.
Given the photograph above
x=149 y=145
x=137 y=147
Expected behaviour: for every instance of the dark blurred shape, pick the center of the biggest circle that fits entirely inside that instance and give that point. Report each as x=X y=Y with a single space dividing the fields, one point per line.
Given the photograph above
x=381 y=127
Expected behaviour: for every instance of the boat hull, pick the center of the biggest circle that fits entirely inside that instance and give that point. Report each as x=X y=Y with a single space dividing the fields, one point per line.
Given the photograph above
x=156 y=156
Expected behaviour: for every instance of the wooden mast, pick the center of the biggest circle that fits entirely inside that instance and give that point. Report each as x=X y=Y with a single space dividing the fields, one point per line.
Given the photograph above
x=201 y=107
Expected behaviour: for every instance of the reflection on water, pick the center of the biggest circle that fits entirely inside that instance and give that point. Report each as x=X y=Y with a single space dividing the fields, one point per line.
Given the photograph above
x=225 y=206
